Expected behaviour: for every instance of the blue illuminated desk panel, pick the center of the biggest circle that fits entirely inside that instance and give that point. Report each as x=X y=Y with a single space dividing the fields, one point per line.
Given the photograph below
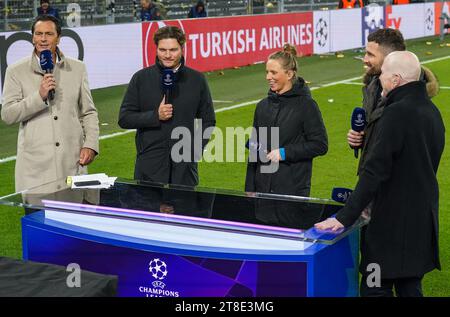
x=173 y=241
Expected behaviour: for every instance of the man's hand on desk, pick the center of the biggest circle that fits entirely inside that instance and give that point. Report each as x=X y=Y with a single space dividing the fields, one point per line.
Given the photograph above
x=329 y=224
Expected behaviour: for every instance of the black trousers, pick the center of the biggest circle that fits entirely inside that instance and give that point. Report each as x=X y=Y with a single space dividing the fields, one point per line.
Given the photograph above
x=404 y=287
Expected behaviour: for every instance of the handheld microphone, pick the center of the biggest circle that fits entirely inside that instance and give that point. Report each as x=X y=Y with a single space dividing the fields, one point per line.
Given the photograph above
x=167 y=82
x=257 y=151
x=341 y=194
x=46 y=61
x=253 y=145
x=358 y=122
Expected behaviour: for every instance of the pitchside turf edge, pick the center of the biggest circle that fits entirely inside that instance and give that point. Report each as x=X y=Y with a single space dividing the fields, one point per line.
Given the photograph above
x=337 y=168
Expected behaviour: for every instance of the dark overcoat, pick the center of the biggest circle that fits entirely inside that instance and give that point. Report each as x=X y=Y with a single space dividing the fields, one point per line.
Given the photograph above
x=398 y=175
x=302 y=134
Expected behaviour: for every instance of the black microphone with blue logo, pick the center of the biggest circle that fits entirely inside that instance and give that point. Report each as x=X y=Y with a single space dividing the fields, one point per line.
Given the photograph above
x=341 y=194
x=257 y=150
x=358 y=122
x=46 y=61
x=167 y=82
x=253 y=145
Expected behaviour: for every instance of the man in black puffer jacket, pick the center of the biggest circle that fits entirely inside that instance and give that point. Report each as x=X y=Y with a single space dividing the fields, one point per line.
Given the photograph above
x=146 y=109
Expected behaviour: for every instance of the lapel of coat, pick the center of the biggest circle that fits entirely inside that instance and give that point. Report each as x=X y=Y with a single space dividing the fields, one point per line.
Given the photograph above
x=34 y=64
x=58 y=66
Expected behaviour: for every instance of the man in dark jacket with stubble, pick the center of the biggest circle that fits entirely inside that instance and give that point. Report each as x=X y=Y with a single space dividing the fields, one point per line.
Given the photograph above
x=399 y=175
x=146 y=108
x=379 y=44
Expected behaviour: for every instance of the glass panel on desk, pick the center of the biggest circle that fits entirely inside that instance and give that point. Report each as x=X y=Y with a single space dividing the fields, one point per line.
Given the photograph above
x=288 y=217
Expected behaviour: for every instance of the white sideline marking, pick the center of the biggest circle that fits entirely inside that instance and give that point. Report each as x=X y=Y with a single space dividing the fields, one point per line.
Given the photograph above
x=361 y=84
x=312 y=88
x=7 y=159
x=354 y=83
x=112 y=135
x=345 y=81
x=435 y=60
x=236 y=106
x=102 y=137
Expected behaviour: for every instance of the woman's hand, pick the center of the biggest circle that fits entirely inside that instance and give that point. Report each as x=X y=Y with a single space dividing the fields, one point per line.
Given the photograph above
x=274 y=156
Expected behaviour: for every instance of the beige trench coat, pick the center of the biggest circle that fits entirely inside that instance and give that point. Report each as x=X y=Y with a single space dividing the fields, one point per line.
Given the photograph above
x=50 y=135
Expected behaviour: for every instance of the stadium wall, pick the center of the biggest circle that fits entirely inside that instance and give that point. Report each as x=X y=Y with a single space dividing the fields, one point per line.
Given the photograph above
x=113 y=53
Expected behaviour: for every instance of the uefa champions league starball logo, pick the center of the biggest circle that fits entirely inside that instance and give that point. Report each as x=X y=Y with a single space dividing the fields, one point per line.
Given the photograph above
x=158 y=269
x=168 y=79
x=321 y=32
x=359 y=120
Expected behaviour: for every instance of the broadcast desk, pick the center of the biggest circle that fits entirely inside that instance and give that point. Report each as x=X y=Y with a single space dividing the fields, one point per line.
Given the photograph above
x=167 y=240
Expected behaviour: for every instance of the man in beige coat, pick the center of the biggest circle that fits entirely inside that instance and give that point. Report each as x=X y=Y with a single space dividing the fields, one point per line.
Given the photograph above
x=57 y=136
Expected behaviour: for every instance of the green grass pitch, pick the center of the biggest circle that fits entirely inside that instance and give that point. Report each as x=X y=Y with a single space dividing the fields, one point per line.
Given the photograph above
x=235 y=86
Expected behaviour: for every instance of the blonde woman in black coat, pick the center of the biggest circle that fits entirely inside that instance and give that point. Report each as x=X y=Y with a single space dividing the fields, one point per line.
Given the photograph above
x=302 y=135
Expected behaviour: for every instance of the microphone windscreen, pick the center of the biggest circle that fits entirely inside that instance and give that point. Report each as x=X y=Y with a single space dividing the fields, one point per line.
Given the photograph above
x=358 y=120
x=46 y=60
x=168 y=79
x=341 y=194
x=252 y=145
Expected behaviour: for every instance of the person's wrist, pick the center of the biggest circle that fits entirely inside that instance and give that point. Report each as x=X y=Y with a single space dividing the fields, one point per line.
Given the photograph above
x=44 y=98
